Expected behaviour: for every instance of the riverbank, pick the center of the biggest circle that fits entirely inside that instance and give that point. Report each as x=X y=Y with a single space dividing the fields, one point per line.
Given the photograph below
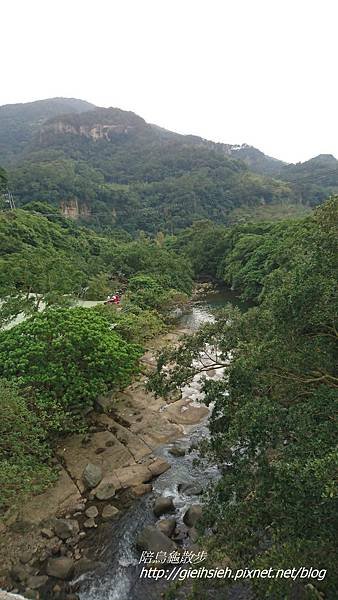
x=49 y=540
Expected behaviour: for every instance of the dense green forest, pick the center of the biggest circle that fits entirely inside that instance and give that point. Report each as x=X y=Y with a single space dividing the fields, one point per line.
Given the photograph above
x=109 y=168
x=52 y=262
x=273 y=426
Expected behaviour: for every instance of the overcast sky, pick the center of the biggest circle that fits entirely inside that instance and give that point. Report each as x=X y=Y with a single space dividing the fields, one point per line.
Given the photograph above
x=262 y=72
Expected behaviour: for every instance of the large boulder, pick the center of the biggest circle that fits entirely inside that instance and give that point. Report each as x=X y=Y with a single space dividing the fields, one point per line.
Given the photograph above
x=192 y=515
x=167 y=526
x=61 y=567
x=177 y=451
x=153 y=540
x=141 y=489
x=84 y=565
x=66 y=528
x=190 y=489
x=158 y=467
x=35 y=582
x=91 y=476
x=163 y=505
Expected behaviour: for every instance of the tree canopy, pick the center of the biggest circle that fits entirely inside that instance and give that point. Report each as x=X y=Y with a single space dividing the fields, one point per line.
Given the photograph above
x=273 y=425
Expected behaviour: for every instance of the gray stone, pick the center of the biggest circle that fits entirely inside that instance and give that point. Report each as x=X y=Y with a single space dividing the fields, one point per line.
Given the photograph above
x=167 y=526
x=91 y=476
x=36 y=581
x=65 y=528
x=192 y=515
x=26 y=557
x=177 y=451
x=89 y=524
x=19 y=573
x=193 y=534
x=190 y=489
x=163 y=504
x=91 y=512
x=109 y=511
x=153 y=540
x=61 y=568
x=181 y=534
x=83 y=565
x=105 y=492
x=47 y=533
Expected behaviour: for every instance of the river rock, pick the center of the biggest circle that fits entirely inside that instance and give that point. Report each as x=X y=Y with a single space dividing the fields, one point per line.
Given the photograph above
x=192 y=515
x=34 y=582
x=105 y=491
x=91 y=476
x=181 y=534
x=47 y=533
x=84 y=565
x=19 y=573
x=26 y=556
x=141 y=489
x=190 y=489
x=91 y=512
x=89 y=524
x=61 y=568
x=109 y=511
x=167 y=526
x=177 y=451
x=193 y=534
x=153 y=540
x=163 y=504
x=66 y=528
x=158 y=467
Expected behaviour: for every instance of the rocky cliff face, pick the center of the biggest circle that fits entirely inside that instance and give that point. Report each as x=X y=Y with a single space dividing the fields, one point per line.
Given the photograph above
x=73 y=210
x=99 y=124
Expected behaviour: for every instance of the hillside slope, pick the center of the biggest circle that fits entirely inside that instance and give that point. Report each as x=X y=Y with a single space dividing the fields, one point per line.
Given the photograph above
x=112 y=168
x=19 y=122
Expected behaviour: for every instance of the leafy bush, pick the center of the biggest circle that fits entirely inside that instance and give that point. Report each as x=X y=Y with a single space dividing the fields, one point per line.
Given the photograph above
x=133 y=323
x=67 y=357
x=23 y=449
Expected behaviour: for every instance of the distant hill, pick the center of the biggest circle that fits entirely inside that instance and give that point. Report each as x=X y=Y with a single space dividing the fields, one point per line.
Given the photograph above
x=19 y=122
x=110 y=167
x=256 y=160
x=312 y=181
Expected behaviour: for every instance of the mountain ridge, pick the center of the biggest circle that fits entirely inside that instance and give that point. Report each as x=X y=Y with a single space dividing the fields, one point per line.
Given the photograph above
x=142 y=176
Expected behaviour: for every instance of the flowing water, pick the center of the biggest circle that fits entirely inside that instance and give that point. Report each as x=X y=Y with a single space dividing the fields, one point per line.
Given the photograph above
x=121 y=580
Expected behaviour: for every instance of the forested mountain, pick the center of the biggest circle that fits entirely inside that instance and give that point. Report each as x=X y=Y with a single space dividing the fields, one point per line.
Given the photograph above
x=20 y=122
x=312 y=181
x=110 y=167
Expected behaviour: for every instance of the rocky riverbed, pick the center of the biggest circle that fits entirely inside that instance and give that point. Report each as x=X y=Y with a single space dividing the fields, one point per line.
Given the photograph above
x=48 y=542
